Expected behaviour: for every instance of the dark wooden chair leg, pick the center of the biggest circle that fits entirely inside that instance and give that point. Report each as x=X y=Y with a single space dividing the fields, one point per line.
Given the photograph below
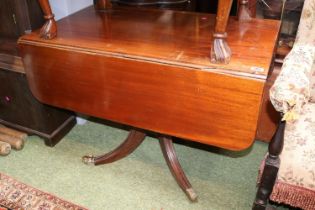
x=220 y=51
x=170 y=156
x=49 y=29
x=134 y=139
x=243 y=11
x=271 y=168
x=102 y=4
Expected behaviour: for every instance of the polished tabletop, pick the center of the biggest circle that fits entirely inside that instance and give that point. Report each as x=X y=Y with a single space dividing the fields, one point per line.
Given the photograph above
x=172 y=37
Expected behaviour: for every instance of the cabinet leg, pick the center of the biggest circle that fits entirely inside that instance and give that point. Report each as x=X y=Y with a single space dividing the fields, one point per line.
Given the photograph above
x=220 y=51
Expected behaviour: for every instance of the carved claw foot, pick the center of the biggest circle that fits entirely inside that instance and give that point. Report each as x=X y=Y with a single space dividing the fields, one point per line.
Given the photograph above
x=220 y=50
x=49 y=29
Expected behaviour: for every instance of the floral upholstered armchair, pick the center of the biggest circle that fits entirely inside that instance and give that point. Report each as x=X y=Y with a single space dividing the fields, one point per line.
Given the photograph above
x=288 y=175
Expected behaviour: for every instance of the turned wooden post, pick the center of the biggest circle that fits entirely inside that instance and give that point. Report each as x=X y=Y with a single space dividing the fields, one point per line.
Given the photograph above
x=271 y=168
x=102 y=4
x=243 y=13
x=49 y=29
x=220 y=51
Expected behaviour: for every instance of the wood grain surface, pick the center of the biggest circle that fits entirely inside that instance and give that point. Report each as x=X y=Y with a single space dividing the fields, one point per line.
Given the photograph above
x=153 y=73
x=182 y=38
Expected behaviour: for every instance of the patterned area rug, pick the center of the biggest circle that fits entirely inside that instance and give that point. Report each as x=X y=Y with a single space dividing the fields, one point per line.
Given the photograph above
x=16 y=195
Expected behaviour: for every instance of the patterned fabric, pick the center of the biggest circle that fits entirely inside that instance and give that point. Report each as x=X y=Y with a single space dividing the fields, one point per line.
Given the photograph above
x=292 y=89
x=16 y=195
x=297 y=167
x=293 y=94
x=298 y=156
x=313 y=84
x=305 y=35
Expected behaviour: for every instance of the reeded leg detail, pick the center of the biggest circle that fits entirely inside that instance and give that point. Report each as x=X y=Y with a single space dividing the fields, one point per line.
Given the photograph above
x=134 y=139
x=170 y=156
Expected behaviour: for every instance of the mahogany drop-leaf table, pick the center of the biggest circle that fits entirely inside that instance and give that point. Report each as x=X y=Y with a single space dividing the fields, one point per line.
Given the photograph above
x=151 y=70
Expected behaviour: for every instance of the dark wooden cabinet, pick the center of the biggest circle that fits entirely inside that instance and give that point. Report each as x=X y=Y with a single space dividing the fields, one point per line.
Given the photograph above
x=20 y=110
x=18 y=107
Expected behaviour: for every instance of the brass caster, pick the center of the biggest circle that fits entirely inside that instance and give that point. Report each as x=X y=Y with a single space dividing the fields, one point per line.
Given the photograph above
x=88 y=159
x=192 y=195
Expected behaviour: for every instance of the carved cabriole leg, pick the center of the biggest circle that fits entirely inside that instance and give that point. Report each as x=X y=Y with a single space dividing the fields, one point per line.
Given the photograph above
x=49 y=29
x=220 y=51
x=170 y=156
x=102 y=4
x=271 y=168
x=134 y=139
x=243 y=11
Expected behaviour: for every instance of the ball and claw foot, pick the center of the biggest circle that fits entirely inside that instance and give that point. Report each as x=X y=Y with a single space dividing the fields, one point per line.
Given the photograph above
x=220 y=50
x=88 y=159
x=49 y=29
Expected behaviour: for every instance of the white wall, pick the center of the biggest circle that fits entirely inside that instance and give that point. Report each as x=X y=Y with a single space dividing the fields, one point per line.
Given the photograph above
x=62 y=8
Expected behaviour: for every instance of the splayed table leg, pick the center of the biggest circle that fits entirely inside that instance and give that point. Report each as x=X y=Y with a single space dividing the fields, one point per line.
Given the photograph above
x=134 y=139
x=170 y=156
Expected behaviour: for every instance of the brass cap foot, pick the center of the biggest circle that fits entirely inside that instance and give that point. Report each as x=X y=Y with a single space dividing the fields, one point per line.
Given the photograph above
x=88 y=159
x=192 y=195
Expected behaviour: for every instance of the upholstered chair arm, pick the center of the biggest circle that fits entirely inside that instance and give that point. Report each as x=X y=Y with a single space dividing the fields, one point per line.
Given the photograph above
x=292 y=87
